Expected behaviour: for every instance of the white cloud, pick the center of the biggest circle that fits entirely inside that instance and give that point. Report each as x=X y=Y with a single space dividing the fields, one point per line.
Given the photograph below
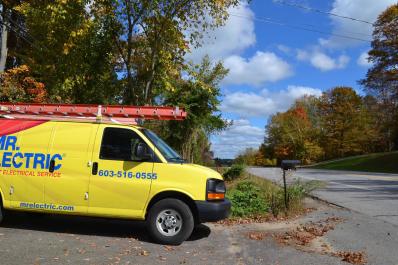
x=265 y=103
x=363 y=60
x=367 y=10
x=323 y=61
x=261 y=68
x=238 y=137
x=234 y=37
x=284 y=48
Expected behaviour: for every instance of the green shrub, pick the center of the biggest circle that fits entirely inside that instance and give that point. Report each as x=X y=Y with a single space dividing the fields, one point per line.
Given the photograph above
x=247 y=199
x=234 y=172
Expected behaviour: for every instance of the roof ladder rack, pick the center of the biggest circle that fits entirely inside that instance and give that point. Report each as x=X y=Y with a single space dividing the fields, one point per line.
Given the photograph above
x=100 y=113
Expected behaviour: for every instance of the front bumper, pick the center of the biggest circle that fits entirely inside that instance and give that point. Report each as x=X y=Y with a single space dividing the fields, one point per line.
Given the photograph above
x=213 y=211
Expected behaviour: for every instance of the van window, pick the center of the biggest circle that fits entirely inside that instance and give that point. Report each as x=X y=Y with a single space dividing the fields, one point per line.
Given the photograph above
x=118 y=144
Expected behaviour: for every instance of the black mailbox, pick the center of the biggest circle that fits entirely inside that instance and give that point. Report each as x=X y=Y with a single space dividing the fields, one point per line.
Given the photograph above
x=290 y=164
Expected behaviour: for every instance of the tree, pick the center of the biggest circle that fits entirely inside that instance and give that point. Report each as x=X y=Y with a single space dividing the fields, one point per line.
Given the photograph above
x=71 y=51
x=291 y=135
x=346 y=124
x=199 y=94
x=382 y=78
x=17 y=85
x=106 y=51
x=247 y=157
x=153 y=37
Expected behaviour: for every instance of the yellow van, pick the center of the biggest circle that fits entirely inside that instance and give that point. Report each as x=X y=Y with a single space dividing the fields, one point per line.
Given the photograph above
x=106 y=170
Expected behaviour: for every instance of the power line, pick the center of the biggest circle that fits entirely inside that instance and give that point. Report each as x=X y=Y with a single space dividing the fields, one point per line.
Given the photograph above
x=16 y=24
x=344 y=33
x=321 y=11
x=20 y=35
x=271 y=21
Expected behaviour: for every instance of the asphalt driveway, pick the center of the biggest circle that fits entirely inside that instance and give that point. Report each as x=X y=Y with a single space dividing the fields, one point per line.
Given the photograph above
x=35 y=239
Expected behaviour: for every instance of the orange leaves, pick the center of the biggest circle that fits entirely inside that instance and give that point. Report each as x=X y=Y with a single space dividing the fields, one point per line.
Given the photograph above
x=300 y=113
x=19 y=86
x=283 y=151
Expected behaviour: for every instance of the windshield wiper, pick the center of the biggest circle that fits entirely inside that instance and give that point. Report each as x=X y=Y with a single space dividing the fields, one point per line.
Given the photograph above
x=177 y=158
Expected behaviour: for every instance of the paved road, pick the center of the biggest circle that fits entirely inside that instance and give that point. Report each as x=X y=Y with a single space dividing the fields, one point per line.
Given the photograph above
x=372 y=194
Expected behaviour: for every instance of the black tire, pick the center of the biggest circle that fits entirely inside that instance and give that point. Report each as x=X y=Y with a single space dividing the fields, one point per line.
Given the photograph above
x=161 y=214
x=1 y=211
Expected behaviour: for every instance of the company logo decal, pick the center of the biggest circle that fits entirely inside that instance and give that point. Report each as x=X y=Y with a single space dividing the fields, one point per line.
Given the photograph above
x=13 y=157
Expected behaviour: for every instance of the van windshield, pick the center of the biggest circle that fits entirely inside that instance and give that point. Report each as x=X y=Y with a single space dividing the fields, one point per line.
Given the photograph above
x=169 y=153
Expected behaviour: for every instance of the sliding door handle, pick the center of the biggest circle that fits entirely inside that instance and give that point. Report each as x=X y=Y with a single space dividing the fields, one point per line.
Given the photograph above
x=94 y=170
x=51 y=168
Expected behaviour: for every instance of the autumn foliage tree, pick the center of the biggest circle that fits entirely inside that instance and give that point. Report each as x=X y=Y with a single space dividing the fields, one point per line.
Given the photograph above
x=17 y=85
x=382 y=78
x=337 y=124
x=291 y=135
x=70 y=50
x=347 y=128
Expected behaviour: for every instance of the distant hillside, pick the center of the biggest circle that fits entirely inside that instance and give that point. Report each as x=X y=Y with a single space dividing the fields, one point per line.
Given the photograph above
x=379 y=162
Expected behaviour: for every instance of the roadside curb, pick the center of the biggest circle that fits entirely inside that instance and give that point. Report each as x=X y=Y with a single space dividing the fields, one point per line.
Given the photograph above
x=328 y=202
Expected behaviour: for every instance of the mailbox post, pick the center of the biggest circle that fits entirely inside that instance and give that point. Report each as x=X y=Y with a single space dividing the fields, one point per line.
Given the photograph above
x=288 y=165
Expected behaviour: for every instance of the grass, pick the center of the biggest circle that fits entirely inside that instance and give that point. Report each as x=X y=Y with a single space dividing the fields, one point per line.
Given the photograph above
x=379 y=162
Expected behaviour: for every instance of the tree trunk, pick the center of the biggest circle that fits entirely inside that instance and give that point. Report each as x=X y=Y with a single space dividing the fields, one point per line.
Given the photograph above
x=148 y=85
x=3 y=42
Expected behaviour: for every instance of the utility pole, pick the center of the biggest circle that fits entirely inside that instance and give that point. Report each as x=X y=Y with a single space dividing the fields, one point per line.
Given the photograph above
x=3 y=38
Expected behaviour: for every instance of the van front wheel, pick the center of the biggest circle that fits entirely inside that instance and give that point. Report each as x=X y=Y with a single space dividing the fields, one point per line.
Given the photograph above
x=170 y=221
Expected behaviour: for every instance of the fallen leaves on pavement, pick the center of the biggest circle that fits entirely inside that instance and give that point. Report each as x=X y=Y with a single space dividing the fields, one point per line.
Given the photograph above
x=305 y=234
x=358 y=257
x=257 y=235
x=303 y=237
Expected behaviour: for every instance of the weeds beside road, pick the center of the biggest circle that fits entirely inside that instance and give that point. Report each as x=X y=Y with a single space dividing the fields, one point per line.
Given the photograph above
x=256 y=197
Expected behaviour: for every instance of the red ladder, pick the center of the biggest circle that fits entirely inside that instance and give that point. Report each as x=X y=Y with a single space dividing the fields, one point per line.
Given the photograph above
x=81 y=112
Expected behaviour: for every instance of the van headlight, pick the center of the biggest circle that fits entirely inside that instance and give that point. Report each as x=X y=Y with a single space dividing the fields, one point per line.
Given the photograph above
x=215 y=190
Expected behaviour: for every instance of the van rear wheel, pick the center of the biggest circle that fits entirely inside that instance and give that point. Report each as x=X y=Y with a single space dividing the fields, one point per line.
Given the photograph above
x=170 y=222
x=1 y=211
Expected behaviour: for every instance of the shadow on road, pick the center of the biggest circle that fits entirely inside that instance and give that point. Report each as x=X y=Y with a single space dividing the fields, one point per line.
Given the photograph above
x=87 y=226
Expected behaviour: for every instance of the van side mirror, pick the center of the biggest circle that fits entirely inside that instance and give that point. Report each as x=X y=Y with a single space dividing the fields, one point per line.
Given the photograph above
x=142 y=152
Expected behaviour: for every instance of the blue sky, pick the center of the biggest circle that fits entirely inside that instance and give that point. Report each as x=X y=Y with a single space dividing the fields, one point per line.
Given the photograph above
x=272 y=65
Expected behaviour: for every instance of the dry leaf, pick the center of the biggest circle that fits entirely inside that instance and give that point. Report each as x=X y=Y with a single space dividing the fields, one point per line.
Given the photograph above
x=144 y=253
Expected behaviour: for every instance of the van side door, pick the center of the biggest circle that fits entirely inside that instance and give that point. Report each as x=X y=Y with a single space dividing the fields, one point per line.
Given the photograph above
x=120 y=182
x=67 y=190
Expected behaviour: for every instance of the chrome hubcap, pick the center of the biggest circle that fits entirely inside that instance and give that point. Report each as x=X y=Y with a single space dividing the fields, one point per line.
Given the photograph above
x=169 y=222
